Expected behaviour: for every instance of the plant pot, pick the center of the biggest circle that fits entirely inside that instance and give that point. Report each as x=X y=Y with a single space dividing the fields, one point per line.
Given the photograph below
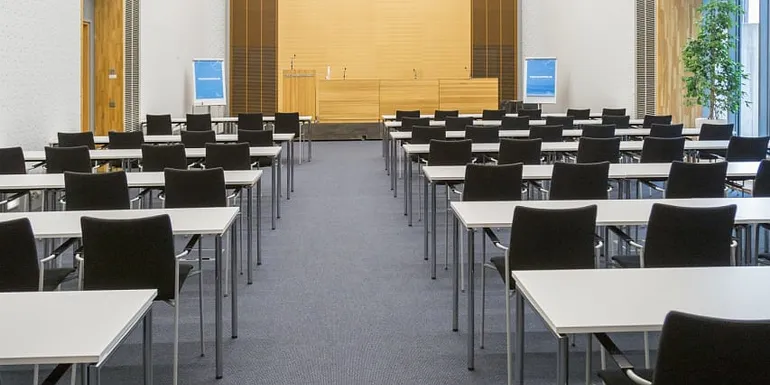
x=699 y=121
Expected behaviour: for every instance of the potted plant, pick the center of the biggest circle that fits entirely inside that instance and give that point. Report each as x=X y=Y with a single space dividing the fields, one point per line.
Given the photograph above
x=714 y=79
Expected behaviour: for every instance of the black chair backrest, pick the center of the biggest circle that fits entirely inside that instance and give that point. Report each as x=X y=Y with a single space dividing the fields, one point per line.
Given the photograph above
x=689 y=236
x=443 y=114
x=613 y=111
x=408 y=122
x=547 y=133
x=450 y=152
x=525 y=151
x=102 y=191
x=534 y=244
x=730 y=356
x=618 y=121
x=485 y=182
x=457 y=124
x=256 y=138
x=129 y=254
x=251 y=121
x=579 y=114
x=76 y=139
x=598 y=130
x=515 y=123
x=424 y=134
x=19 y=270
x=228 y=156
x=579 y=181
x=592 y=150
x=520 y=105
x=198 y=122
x=696 y=180
x=129 y=140
x=158 y=158
x=198 y=139
x=568 y=122
x=662 y=150
x=666 y=130
x=649 y=120
x=534 y=114
x=159 y=125
x=61 y=159
x=710 y=131
x=195 y=188
x=483 y=134
x=12 y=161
x=401 y=114
x=287 y=123
x=747 y=149
x=492 y=114
x=762 y=182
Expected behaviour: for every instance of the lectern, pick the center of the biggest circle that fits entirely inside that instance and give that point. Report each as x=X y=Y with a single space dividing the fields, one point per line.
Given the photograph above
x=299 y=92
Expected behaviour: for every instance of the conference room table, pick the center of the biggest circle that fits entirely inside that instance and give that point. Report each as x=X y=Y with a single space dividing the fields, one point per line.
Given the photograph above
x=392 y=117
x=196 y=153
x=246 y=179
x=625 y=212
x=567 y=302
x=82 y=328
x=434 y=175
x=208 y=221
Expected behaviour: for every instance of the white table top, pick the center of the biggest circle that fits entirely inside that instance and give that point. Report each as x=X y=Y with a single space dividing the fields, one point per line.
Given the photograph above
x=104 y=139
x=110 y=154
x=441 y=123
x=134 y=179
x=634 y=300
x=406 y=135
x=66 y=224
x=623 y=212
x=633 y=145
x=617 y=171
x=594 y=115
x=233 y=119
x=67 y=326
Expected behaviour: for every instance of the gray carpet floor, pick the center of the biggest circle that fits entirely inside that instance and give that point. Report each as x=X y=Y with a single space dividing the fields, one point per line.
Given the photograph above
x=343 y=297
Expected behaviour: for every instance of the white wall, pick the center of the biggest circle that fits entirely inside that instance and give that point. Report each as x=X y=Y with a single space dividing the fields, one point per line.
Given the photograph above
x=173 y=33
x=39 y=71
x=594 y=43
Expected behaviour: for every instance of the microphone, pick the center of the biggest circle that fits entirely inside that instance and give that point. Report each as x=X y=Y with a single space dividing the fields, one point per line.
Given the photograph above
x=344 y=73
x=415 y=73
x=466 y=71
x=292 y=61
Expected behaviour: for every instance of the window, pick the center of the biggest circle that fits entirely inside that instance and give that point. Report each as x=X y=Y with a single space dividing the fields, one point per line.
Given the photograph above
x=749 y=55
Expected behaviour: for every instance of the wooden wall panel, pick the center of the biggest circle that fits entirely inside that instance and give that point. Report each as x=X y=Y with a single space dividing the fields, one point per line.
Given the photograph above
x=352 y=100
x=675 y=24
x=299 y=90
x=408 y=95
x=238 y=87
x=495 y=44
x=470 y=96
x=253 y=72
x=109 y=67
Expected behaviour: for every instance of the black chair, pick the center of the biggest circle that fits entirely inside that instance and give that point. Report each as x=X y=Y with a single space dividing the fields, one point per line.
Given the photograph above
x=649 y=120
x=613 y=112
x=158 y=158
x=484 y=182
x=579 y=181
x=696 y=180
x=515 y=123
x=258 y=138
x=408 y=122
x=533 y=114
x=77 y=139
x=547 y=133
x=579 y=114
x=761 y=189
x=129 y=140
x=598 y=130
x=520 y=105
x=443 y=114
x=61 y=159
x=198 y=139
x=700 y=350
x=450 y=152
x=568 y=122
x=251 y=121
x=401 y=114
x=12 y=162
x=457 y=124
x=424 y=134
x=483 y=134
x=195 y=188
x=747 y=149
x=592 y=150
x=492 y=114
x=136 y=254
x=662 y=150
x=618 y=121
x=199 y=122
x=710 y=131
x=666 y=130
x=525 y=151
x=102 y=191
x=228 y=156
x=159 y=125
x=287 y=123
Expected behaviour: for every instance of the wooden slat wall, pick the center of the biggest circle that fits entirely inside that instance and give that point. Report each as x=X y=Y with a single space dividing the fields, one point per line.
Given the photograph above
x=675 y=24
x=494 y=43
x=108 y=47
x=253 y=47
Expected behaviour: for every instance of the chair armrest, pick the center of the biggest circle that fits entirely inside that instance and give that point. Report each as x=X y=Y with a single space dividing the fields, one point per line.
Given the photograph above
x=235 y=193
x=56 y=374
x=455 y=190
x=13 y=197
x=538 y=186
x=141 y=195
x=494 y=160
x=36 y=165
x=598 y=242
x=652 y=185
x=188 y=248
x=495 y=240
x=625 y=237
x=59 y=250
x=620 y=359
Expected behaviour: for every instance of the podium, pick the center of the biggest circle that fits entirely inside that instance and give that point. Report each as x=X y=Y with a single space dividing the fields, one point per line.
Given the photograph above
x=299 y=92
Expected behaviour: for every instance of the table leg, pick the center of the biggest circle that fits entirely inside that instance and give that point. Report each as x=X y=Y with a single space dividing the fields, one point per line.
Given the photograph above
x=562 y=358
x=259 y=222
x=249 y=237
x=218 y=294
x=310 y=141
x=518 y=354
x=147 y=347
x=288 y=170
x=93 y=375
x=393 y=169
x=455 y=272
x=433 y=229
x=405 y=163
x=83 y=369
x=471 y=297
x=235 y=229
x=278 y=190
x=294 y=162
x=409 y=195
x=589 y=358
x=427 y=220
x=273 y=173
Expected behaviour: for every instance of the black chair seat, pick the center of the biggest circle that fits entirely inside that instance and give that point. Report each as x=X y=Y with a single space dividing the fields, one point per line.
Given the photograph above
x=54 y=277
x=627 y=261
x=616 y=377
x=499 y=263
x=184 y=273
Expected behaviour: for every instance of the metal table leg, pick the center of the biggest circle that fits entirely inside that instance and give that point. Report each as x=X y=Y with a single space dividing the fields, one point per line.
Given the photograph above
x=273 y=173
x=235 y=229
x=218 y=294
x=518 y=354
x=405 y=163
x=589 y=358
x=409 y=193
x=147 y=347
x=288 y=170
x=249 y=231
x=455 y=273
x=278 y=190
x=93 y=375
x=433 y=229
x=471 y=297
x=427 y=221
x=562 y=368
x=259 y=222
x=293 y=162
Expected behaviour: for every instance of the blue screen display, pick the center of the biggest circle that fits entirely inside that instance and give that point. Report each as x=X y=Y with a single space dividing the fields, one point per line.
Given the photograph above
x=209 y=79
x=541 y=77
